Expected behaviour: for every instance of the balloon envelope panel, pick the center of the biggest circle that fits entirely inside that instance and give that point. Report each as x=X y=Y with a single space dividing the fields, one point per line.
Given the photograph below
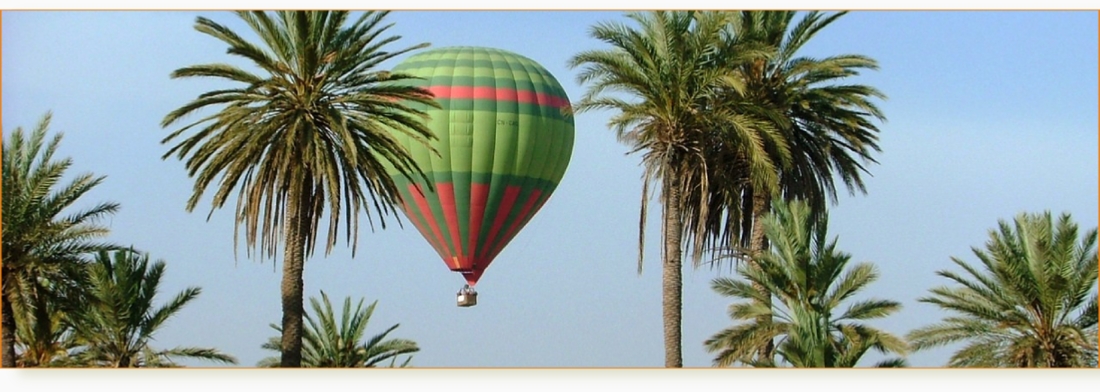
x=505 y=137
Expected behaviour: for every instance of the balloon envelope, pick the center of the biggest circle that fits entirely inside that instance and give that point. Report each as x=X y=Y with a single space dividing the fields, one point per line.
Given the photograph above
x=505 y=136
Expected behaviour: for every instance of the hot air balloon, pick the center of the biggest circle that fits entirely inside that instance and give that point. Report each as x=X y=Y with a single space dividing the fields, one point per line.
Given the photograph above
x=505 y=136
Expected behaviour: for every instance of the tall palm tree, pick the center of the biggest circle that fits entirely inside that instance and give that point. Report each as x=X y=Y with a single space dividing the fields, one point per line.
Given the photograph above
x=44 y=251
x=809 y=280
x=329 y=343
x=666 y=67
x=306 y=134
x=827 y=123
x=1032 y=303
x=116 y=326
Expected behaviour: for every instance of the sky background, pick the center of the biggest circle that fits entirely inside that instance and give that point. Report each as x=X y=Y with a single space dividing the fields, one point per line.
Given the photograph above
x=989 y=114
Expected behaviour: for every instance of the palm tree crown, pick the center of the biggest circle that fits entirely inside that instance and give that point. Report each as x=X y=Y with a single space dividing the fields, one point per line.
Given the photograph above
x=333 y=343
x=1032 y=303
x=118 y=324
x=809 y=280
x=308 y=131
x=827 y=124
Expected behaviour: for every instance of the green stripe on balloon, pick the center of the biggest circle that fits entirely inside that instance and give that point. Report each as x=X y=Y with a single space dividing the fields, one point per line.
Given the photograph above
x=485 y=178
x=523 y=70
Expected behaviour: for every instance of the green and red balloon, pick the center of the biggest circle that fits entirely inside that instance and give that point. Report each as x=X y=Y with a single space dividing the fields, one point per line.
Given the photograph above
x=504 y=139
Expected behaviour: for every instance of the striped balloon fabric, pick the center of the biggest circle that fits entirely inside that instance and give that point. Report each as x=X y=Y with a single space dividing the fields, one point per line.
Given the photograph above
x=505 y=135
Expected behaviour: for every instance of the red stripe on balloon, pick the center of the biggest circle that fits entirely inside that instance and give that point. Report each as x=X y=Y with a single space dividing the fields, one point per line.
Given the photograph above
x=422 y=203
x=446 y=192
x=421 y=226
x=499 y=94
x=510 y=194
x=521 y=219
x=479 y=195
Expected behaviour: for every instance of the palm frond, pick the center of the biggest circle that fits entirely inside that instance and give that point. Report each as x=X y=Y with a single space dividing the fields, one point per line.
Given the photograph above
x=806 y=277
x=118 y=324
x=332 y=342
x=1028 y=307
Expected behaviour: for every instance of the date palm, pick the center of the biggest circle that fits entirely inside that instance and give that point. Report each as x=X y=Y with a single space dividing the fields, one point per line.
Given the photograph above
x=45 y=241
x=827 y=124
x=1031 y=303
x=305 y=134
x=807 y=281
x=332 y=343
x=661 y=79
x=117 y=325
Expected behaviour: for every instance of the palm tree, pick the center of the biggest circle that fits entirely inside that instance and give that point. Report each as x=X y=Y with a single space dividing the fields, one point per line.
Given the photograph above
x=310 y=131
x=1031 y=304
x=332 y=344
x=118 y=323
x=809 y=279
x=826 y=125
x=667 y=68
x=44 y=251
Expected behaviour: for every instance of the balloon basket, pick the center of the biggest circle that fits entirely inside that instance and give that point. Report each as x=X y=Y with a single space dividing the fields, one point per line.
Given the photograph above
x=467 y=297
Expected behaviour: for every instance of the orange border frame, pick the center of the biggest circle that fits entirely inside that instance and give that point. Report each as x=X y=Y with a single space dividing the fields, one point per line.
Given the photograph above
x=2 y=84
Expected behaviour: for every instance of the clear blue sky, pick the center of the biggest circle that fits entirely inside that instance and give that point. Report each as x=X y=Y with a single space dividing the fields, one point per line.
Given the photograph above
x=989 y=114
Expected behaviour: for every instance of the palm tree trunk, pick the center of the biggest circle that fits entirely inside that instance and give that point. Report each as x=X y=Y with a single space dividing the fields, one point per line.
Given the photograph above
x=292 y=284
x=43 y=325
x=672 y=275
x=8 y=340
x=761 y=204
